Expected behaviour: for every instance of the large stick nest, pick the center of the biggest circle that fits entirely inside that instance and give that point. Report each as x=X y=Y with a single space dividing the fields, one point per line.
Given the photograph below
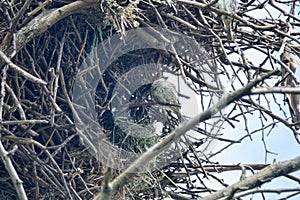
x=50 y=158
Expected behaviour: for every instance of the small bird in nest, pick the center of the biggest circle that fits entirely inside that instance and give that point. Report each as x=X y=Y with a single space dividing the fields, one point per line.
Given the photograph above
x=164 y=92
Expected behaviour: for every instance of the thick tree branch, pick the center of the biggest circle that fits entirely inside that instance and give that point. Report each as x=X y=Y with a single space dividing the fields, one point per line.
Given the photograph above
x=43 y=22
x=267 y=174
x=283 y=90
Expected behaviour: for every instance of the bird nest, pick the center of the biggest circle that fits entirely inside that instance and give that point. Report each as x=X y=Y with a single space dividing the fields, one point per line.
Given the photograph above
x=53 y=132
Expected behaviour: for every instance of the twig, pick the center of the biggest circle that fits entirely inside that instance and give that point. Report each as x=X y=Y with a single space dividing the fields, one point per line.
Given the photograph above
x=22 y=122
x=16 y=102
x=40 y=7
x=21 y=71
x=201 y=5
x=18 y=183
x=19 y=15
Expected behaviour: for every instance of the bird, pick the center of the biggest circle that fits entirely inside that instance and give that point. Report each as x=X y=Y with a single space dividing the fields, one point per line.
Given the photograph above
x=164 y=92
x=289 y=81
x=228 y=6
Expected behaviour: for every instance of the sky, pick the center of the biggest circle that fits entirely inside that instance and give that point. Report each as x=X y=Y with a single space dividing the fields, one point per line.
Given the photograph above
x=279 y=141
